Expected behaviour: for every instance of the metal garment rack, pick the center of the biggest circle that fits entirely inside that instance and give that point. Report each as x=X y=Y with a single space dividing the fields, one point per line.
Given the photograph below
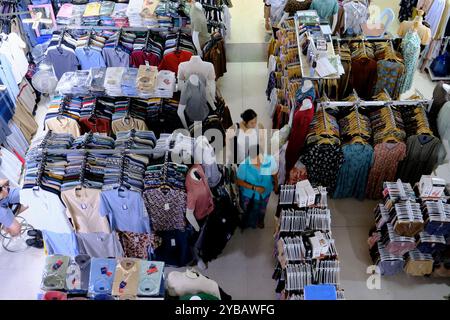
x=362 y=103
x=14 y=13
x=131 y=29
x=98 y=151
x=364 y=39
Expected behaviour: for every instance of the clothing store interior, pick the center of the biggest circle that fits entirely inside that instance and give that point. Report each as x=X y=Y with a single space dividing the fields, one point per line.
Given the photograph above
x=164 y=149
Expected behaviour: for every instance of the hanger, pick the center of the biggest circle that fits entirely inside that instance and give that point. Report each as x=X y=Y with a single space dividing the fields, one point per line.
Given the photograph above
x=63 y=33
x=119 y=36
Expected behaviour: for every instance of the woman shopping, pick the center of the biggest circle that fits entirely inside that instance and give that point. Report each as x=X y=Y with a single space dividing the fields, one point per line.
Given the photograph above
x=256 y=178
x=245 y=134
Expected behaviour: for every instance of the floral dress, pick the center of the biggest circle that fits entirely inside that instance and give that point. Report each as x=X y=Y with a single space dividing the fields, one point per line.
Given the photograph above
x=411 y=52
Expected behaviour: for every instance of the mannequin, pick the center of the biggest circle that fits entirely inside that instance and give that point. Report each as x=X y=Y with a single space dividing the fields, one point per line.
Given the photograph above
x=199 y=25
x=199 y=198
x=197 y=66
x=417 y=25
x=190 y=282
x=327 y=10
x=190 y=212
x=194 y=81
x=307 y=85
x=446 y=87
x=306 y=104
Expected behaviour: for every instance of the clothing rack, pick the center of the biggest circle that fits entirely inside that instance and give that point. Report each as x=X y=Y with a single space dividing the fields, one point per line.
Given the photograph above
x=130 y=29
x=43 y=146
x=101 y=151
x=14 y=13
x=363 y=39
x=362 y=103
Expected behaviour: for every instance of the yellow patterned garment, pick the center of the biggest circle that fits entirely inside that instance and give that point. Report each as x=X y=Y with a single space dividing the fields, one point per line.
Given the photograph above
x=92 y=9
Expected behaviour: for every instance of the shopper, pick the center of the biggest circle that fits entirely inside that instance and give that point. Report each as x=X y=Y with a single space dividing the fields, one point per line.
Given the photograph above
x=273 y=12
x=256 y=178
x=9 y=197
x=245 y=134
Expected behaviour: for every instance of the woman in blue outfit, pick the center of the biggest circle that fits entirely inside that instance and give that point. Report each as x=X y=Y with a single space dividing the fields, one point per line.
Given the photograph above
x=256 y=178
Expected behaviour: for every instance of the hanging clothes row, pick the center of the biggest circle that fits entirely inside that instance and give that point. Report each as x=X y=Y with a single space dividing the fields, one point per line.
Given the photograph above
x=119 y=49
x=78 y=115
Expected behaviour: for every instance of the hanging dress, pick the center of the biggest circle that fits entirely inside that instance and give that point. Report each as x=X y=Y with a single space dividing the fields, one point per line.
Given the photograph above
x=411 y=51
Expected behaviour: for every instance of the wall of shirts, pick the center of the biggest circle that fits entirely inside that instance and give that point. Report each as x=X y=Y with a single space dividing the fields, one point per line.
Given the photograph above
x=94 y=187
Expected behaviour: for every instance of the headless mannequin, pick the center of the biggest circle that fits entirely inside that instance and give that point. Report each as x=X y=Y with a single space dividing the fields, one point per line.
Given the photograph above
x=197 y=66
x=191 y=282
x=306 y=104
x=446 y=87
x=189 y=212
x=195 y=34
x=417 y=26
x=194 y=80
x=307 y=85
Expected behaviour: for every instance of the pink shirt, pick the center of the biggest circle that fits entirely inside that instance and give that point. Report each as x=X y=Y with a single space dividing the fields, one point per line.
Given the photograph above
x=199 y=196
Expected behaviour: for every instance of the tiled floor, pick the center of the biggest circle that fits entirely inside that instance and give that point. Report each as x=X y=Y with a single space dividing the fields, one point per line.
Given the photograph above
x=245 y=268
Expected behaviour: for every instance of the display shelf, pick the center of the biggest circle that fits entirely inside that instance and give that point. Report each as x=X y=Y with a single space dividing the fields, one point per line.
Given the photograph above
x=304 y=63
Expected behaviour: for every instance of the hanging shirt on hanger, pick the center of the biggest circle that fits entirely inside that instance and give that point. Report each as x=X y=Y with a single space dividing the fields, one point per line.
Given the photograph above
x=100 y=245
x=125 y=210
x=13 y=47
x=62 y=60
x=115 y=57
x=89 y=58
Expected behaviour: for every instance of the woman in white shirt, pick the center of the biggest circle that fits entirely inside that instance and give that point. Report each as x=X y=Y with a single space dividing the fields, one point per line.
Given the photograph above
x=242 y=136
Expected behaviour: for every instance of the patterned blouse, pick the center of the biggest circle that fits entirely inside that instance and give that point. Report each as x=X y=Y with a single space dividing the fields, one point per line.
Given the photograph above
x=386 y=159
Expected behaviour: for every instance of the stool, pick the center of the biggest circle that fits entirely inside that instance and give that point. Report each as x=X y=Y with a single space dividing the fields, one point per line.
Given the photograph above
x=8 y=241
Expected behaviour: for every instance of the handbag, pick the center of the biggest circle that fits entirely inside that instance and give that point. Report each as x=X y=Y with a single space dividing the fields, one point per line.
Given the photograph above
x=441 y=65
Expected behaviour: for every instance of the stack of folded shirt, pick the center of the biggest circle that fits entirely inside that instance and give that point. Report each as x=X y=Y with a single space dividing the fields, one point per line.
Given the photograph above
x=121 y=108
x=97 y=80
x=165 y=84
x=113 y=78
x=91 y=15
x=106 y=11
x=64 y=16
x=65 y=83
x=80 y=83
x=129 y=82
x=146 y=79
x=119 y=15
x=77 y=14
x=162 y=145
x=134 y=12
x=149 y=19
